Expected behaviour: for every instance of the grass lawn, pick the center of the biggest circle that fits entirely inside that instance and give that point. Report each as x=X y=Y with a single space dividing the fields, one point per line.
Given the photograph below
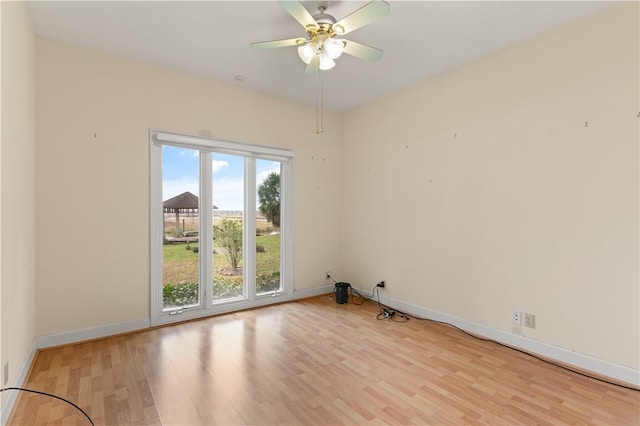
x=181 y=265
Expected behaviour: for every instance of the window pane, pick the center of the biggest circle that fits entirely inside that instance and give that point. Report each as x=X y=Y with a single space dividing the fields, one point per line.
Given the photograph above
x=180 y=183
x=268 y=227
x=228 y=213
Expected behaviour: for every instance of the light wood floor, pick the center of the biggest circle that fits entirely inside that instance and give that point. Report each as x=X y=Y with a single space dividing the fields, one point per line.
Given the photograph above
x=311 y=362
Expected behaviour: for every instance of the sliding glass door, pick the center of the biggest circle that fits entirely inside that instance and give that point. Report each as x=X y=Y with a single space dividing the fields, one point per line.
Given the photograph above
x=268 y=240
x=220 y=226
x=228 y=193
x=180 y=228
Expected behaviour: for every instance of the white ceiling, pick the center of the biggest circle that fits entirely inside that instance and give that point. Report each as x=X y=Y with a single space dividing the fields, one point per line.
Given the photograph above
x=211 y=38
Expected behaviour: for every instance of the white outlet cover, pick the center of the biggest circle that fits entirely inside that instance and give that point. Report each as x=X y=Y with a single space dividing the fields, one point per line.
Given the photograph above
x=516 y=317
x=529 y=320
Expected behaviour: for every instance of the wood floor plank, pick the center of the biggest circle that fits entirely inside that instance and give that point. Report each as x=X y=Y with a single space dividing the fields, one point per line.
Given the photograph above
x=311 y=362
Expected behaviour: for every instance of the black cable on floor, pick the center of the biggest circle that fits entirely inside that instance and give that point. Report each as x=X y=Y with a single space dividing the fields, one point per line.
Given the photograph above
x=387 y=312
x=527 y=353
x=363 y=299
x=53 y=396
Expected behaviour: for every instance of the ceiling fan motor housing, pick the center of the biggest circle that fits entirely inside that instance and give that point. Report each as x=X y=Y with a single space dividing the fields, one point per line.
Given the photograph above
x=324 y=18
x=321 y=32
x=322 y=45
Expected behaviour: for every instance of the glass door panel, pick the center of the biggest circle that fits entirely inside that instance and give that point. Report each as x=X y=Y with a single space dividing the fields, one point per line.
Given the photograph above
x=220 y=226
x=268 y=227
x=228 y=216
x=180 y=254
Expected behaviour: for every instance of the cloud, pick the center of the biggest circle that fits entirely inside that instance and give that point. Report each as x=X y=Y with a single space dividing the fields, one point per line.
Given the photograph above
x=228 y=193
x=171 y=188
x=260 y=177
x=192 y=152
x=218 y=165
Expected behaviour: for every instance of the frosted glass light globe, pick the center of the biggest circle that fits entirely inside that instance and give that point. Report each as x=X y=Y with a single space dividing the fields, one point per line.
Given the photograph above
x=333 y=47
x=307 y=52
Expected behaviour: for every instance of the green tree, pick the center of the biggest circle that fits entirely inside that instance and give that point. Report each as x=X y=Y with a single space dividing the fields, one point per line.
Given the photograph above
x=269 y=198
x=228 y=236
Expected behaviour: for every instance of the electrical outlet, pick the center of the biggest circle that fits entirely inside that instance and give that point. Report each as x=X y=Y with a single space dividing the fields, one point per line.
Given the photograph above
x=529 y=320
x=516 y=317
x=327 y=275
x=5 y=374
x=381 y=284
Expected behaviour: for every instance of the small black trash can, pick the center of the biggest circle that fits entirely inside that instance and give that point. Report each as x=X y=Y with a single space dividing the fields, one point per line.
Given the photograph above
x=342 y=292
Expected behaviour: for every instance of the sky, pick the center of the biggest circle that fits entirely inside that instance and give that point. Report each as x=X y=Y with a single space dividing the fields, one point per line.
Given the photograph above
x=180 y=170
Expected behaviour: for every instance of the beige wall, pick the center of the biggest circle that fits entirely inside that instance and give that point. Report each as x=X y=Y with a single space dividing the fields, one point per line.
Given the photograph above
x=94 y=115
x=510 y=183
x=17 y=193
x=475 y=193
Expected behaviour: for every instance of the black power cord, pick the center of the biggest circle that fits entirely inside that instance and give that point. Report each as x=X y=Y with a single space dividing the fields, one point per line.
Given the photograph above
x=389 y=313
x=385 y=311
x=53 y=396
x=363 y=299
x=528 y=354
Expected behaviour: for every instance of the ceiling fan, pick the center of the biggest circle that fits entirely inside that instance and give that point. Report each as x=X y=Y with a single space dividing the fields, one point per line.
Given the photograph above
x=323 y=46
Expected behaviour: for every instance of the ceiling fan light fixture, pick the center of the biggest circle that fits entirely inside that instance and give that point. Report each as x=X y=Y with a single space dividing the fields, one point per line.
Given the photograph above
x=333 y=47
x=326 y=62
x=320 y=48
x=307 y=52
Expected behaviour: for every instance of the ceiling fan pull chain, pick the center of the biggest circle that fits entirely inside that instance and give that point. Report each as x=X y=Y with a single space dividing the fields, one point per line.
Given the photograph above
x=319 y=103
x=321 y=106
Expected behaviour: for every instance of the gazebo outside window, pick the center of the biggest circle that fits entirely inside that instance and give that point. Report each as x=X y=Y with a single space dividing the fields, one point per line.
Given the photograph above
x=186 y=204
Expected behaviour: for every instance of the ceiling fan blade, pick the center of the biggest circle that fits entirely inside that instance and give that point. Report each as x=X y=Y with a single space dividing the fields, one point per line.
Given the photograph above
x=363 y=16
x=277 y=43
x=312 y=66
x=362 y=51
x=299 y=13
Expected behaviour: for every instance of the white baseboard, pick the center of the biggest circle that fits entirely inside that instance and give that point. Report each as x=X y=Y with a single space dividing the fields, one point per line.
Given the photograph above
x=310 y=292
x=598 y=366
x=10 y=400
x=66 y=338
